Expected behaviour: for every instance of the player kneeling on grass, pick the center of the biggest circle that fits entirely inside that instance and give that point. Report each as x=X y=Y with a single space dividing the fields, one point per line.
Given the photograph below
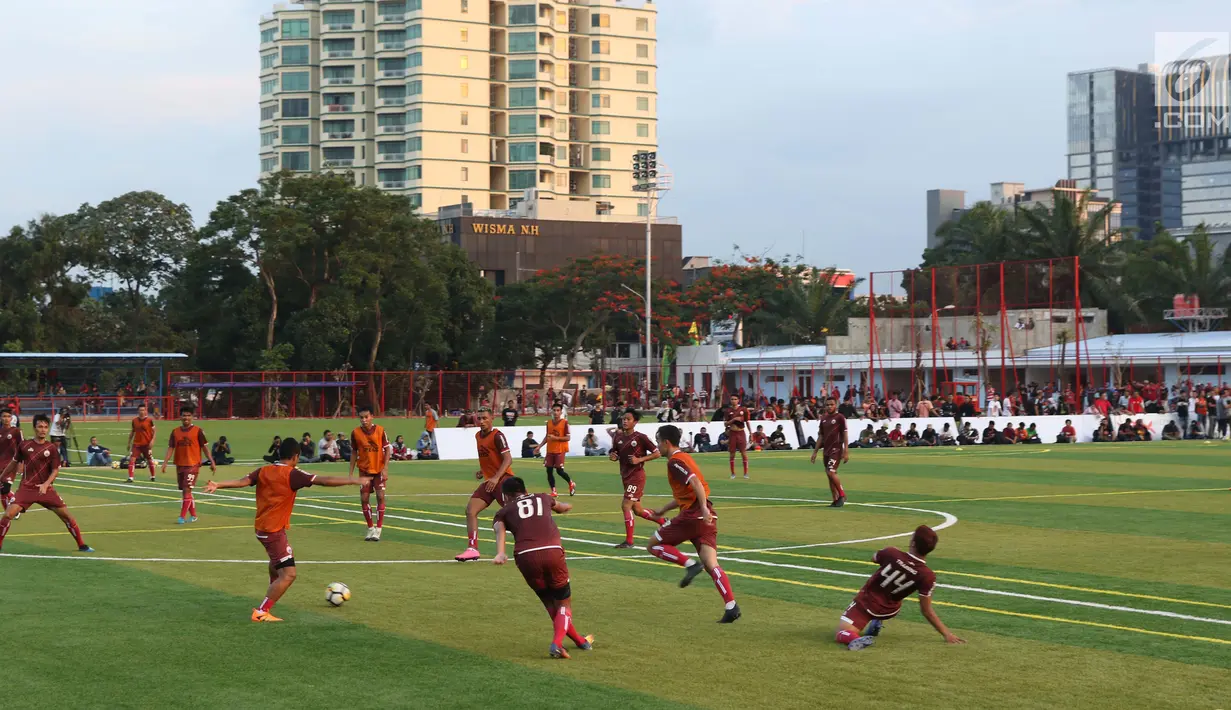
x=540 y=556
x=697 y=523
x=276 y=487
x=900 y=575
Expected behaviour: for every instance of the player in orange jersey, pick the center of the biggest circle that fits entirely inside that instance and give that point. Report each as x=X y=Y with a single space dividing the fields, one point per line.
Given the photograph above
x=276 y=487
x=495 y=465
x=556 y=441
x=370 y=452
x=141 y=441
x=697 y=523
x=187 y=446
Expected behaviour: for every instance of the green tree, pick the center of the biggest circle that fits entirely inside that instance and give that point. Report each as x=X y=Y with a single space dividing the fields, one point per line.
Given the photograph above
x=41 y=289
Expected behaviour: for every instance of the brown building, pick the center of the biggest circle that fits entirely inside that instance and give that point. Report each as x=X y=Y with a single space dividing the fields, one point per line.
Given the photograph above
x=511 y=250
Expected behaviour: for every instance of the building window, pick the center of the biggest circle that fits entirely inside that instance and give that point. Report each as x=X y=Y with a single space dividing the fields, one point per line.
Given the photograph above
x=295 y=108
x=339 y=153
x=643 y=24
x=414 y=32
x=338 y=17
x=465 y=6
x=522 y=69
x=416 y=200
x=600 y=182
x=643 y=130
x=597 y=20
x=522 y=97
x=415 y=172
x=336 y=127
x=643 y=103
x=295 y=29
x=395 y=94
x=269 y=86
x=643 y=51
x=268 y=60
x=414 y=145
x=332 y=73
x=600 y=155
x=600 y=74
x=465 y=118
x=391 y=147
x=643 y=77
x=296 y=161
x=295 y=54
x=415 y=115
x=600 y=46
x=465 y=62
x=523 y=14
x=391 y=175
x=523 y=124
x=414 y=59
x=520 y=42
x=465 y=34
x=522 y=179
x=294 y=135
x=268 y=165
x=390 y=119
x=414 y=88
x=296 y=81
x=396 y=37
x=600 y=128
x=465 y=145
x=522 y=152
x=268 y=138
x=600 y=100
x=268 y=112
x=465 y=174
x=268 y=35
x=465 y=90
x=643 y=210
x=561 y=125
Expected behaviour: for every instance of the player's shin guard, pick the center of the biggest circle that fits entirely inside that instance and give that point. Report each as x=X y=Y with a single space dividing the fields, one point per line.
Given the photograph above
x=732 y=462
x=5 y=522
x=561 y=624
x=75 y=531
x=667 y=553
x=723 y=585
x=473 y=540
x=132 y=465
x=367 y=513
x=186 y=504
x=844 y=636
x=380 y=515
x=192 y=504
x=628 y=527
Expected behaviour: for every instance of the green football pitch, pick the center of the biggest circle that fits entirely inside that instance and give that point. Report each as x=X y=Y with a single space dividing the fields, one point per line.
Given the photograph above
x=1081 y=576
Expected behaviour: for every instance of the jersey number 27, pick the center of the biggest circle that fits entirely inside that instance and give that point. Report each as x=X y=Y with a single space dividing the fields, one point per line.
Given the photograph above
x=529 y=507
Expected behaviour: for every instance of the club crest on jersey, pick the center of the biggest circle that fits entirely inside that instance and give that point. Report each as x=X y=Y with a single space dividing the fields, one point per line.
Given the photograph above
x=46 y=453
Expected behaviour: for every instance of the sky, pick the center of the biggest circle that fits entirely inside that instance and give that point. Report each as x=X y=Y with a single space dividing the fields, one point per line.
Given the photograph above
x=809 y=127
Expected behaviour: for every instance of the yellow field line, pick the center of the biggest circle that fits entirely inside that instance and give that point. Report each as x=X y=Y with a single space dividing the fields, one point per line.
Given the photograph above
x=180 y=529
x=1051 y=495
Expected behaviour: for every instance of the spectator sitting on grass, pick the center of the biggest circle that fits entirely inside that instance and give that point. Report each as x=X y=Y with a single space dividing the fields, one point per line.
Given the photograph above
x=722 y=441
x=759 y=440
x=1021 y=433
x=1125 y=432
x=1068 y=434
x=400 y=452
x=967 y=436
x=1142 y=431
x=424 y=447
x=946 y=435
x=528 y=445
x=98 y=454
x=881 y=440
x=221 y=451
x=307 y=449
x=272 y=455
x=896 y=437
x=344 y=449
x=777 y=440
x=1196 y=431
x=866 y=438
x=991 y=433
x=912 y=435
x=590 y=445
x=327 y=448
x=1171 y=432
x=1009 y=435
x=928 y=437
x=701 y=442
x=1104 y=431
x=1032 y=434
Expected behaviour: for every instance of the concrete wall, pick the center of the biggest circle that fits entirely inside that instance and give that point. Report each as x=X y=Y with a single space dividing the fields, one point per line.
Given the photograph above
x=899 y=334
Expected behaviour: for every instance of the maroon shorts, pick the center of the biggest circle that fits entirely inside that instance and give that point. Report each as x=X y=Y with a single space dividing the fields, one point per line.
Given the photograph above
x=488 y=497
x=553 y=461
x=634 y=485
x=543 y=569
x=832 y=461
x=737 y=440
x=277 y=547
x=374 y=482
x=857 y=614
x=142 y=451
x=679 y=530
x=186 y=476
x=26 y=497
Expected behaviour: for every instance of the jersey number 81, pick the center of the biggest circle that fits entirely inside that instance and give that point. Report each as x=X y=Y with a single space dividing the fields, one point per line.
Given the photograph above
x=529 y=507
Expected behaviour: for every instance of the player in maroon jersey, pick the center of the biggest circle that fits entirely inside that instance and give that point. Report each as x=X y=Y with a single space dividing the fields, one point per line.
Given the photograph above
x=540 y=557
x=736 y=418
x=40 y=459
x=632 y=450
x=901 y=574
x=831 y=440
x=10 y=440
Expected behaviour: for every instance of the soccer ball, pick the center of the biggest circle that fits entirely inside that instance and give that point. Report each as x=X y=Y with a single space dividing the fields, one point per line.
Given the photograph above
x=337 y=594
x=115 y=464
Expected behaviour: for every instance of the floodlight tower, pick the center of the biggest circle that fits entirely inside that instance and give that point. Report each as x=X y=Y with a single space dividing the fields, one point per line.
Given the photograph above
x=649 y=179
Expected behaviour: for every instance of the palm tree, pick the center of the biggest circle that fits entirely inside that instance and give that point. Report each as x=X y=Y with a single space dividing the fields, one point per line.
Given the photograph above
x=1197 y=269
x=984 y=234
x=810 y=309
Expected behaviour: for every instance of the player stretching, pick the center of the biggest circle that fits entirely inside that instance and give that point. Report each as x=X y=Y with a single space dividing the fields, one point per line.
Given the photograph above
x=141 y=441
x=696 y=522
x=495 y=465
x=187 y=445
x=276 y=487
x=10 y=441
x=880 y=600
x=556 y=441
x=633 y=450
x=737 y=418
x=540 y=557
x=40 y=462
x=831 y=440
x=371 y=451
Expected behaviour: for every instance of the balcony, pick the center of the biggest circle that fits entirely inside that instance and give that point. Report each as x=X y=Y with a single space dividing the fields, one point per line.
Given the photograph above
x=340 y=54
x=390 y=18
x=392 y=185
x=392 y=73
x=393 y=129
x=396 y=101
x=337 y=28
x=339 y=108
x=345 y=163
x=337 y=81
x=391 y=157
x=339 y=136
x=392 y=45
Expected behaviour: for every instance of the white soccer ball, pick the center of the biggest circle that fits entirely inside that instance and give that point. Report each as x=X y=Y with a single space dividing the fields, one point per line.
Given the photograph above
x=337 y=594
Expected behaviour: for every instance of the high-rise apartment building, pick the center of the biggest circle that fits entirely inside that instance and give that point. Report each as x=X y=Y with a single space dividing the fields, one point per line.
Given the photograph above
x=464 y=101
